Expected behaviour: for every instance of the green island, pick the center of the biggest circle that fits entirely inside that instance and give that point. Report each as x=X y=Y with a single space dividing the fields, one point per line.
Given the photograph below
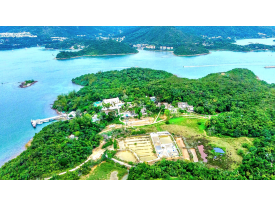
x=189 y=43
x=99 y=48
x=233 y=111
x=27 y=83
x=190 y=50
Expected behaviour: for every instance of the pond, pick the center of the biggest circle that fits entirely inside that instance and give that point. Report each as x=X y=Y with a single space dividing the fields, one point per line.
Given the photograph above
x=218 y=150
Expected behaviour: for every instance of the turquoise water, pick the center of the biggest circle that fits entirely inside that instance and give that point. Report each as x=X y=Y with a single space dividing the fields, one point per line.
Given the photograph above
x=97 y=103
x=18 y=106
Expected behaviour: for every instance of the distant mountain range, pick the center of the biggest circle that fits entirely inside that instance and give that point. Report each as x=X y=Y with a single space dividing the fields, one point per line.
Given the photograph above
x=65 y=31
x=156 y=34
x=159 y=35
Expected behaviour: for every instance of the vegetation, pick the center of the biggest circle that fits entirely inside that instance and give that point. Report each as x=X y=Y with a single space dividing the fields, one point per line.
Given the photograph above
x=241 y=105
x=189 y=50
x=104 y=170
x=158 y=35
x=99 y=47
x=52 y=151
x=28 y=82
x=257 y=164
x=239 y=32
x=245 y=105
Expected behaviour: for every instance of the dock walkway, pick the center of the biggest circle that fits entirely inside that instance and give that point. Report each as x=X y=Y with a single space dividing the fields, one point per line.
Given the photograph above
x=41 y=121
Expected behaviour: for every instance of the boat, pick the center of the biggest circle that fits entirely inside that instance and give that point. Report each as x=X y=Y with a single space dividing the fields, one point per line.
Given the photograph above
x=268 y=67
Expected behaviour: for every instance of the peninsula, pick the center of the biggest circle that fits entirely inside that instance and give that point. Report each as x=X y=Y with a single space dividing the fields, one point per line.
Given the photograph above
x=27 y=83
x=177 y=114
x=99 y=48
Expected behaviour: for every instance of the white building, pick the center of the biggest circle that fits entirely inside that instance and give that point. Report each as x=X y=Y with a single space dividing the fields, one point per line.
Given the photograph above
x=115 y=103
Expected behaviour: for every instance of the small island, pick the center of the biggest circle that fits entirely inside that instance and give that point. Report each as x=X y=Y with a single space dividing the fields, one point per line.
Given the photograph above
x=27 y=83
x=186 y=50
x=99 y=48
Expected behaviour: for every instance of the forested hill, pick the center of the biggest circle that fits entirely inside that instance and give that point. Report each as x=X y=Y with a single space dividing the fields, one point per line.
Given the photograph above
x=66 y=31
x=99 y=47
x=245 y=104
x=159 y=35
x=239 y=32
x=135 y=33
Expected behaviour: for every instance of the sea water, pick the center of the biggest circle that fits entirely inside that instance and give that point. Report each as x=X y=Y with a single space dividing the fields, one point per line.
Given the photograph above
x=19 y=105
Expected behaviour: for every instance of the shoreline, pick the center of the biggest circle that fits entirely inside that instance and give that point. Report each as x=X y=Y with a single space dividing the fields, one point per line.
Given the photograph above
x=95 y=56
x=28 y=144
x=191 y=55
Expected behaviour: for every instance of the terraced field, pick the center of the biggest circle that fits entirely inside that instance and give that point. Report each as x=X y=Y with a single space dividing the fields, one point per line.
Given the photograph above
x=141 y=145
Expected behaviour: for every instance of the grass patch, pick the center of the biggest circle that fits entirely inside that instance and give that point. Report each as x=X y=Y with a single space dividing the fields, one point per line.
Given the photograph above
x=104 y=171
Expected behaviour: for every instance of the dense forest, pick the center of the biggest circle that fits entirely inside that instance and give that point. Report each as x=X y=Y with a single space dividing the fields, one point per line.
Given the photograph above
x=52 y=151
x=238 y=32
x=159 y=35
x=245 y=104
x=242 y=105
x=188 y=50
x=99 y=47
x=66 y=31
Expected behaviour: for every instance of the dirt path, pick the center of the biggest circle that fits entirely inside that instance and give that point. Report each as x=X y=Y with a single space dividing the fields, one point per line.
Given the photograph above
x=96 y=154
x=114 y=175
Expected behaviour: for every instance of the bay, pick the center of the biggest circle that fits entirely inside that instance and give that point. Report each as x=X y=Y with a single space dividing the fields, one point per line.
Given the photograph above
x=18 y=106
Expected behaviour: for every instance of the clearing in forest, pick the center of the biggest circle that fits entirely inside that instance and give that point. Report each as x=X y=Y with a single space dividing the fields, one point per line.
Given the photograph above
x=104 y=170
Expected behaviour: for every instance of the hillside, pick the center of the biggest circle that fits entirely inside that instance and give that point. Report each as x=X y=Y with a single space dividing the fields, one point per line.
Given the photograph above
x=239 y=32
x=245 y=107
x=99 y=47
x=65 y=31
x=236 y=93
x=190 y=50
x=159 y=35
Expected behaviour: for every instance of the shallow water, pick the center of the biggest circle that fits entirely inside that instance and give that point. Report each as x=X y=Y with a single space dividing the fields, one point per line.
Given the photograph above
x=18 y=106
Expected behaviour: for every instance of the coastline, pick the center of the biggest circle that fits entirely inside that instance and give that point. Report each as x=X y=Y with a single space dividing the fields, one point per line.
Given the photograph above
x=28 y=143
x=94 y=56
x=191 y=55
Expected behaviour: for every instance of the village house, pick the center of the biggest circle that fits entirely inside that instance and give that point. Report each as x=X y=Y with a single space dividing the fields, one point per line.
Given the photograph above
x=163 y=103
x=71 y=115
x=115 y=103
x=143 y=110
x=172 y=109
x=185 y=106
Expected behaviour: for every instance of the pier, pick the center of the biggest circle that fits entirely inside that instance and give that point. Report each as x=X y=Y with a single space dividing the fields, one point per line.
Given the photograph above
x=41 y=121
